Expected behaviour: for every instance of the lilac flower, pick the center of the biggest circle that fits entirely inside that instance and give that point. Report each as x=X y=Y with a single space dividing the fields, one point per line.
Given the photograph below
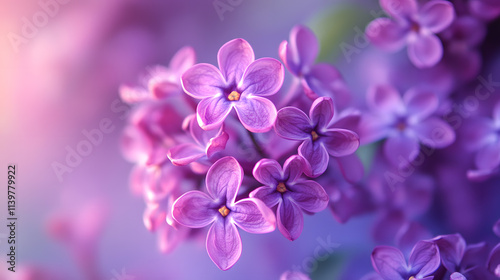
x=485 y=9
x=241 y=83
x=390 y=263
x=405 y=122
x=294 y=275
x=319 y=140
x=197 y=209
x=412 y=26
x=161 y=82
x=285 y=187
x=494 y=261
x=320 y=79
x=206 y=143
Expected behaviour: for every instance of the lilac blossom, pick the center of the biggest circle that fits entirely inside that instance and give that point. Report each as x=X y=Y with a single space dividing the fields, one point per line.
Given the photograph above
x=485 y=9
x=413 y=26
x=390 y=263
x=319 y=140
x=321 y=79
x=405 y=123
x=218 y=208
x=241 y=83
x=293 y=195
x=294 y=275
x=494 y=261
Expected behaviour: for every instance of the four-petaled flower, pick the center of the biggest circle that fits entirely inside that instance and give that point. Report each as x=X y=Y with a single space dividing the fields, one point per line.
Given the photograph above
x=413 y=26
x=319 y=140
x=241 y=83
x=290 y=192
x=197 y=209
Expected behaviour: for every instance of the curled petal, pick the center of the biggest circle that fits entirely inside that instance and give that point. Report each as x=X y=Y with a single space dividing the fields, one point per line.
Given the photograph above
x=290 y=219
x=224 y=179
x=268 y=172
x=436 y=15
x=424 y=259
x=224 y=244
x=234 y=57
x=488 y=157
x=257 y=114
x=425 y=51
x=263 y=77
x=420 y=104
x=268 y=195
x=292 y=123
x=401 y=150
x=194 y=209
x=202 y=80
x=309 y=195
x=389 y=262
x=183 y=59
x=340 y=142
x=399 y=8
x=216 y=144
x=211 y=112
x=321 y=112
x=184 y=154
x=293 y=168
x=253 y=216
x=435 y=133
x=386 y=34
x=384 y=99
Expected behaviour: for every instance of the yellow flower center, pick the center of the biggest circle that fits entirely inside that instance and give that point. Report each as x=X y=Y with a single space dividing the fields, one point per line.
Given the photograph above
x=224 y=211
x=234 y=96
x=281 y=187
x=412 y=278
x=314 y=135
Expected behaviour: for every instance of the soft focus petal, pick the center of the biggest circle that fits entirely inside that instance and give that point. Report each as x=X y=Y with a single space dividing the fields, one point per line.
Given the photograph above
x=399 y=8
x=351 y=167
x=293 y=168
x=496 y=115
x=290 y=219
x=292 y=123
x=253 y=216
x=211 y=112
x=316 y=156
x=184 y=154
x=425 y=51
x=224 y=244
x=488 y=157
x=194 y=209
x=263 y=77
x=340 y=142
x=217 y=144
x=321 y=112
x=304 y=47
x=224 y=179
x=384 y=99
x=494 y=261
x=183 y=59
x=424 y=259
x=257 y=114
x=389 y=263
x=202 y=80
x=420 y=104
x=234 y=57
x=496 y=228
x=325 y=80
x=133 y=94
x=294 y=275
x=435 y=133
x=452 y=249
x=436 y=15
x=401 y=150
x=309 y=195
x=386 y=34
x=268 y=172
x=268 y=195
x=457 y=276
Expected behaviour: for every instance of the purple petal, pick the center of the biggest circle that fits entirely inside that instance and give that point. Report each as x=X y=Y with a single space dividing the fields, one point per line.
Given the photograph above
x=436 y=15
x=316 y=156
x=494 y=261
x=488 y=157
x=474 y=255
x=351 y=167
x=386 y=34
x=348 y=120
x=290 y=219
x=480 y=175
x=293 y=124
x=194 y=209
x=434 y=132
x=409 y=234
x=399 y=8
x=184 y=154
x=420 y=104
x=424 y=259
x=476 y=132
x=133 y=94
x=286 y=55
x=202 y=80
x=268 y=172
x=263 y=77
x=452 y=249
x=389 y=262
x=234 y=57
x=340 y=142
x=268 y=195
x=257 y=114
x=294 y=275
x=217 y=144
x=303 y=48
x=224 y=179
x=253 y=216
x=401 y=149
x=496 y=115
x=183 y=59
x=309 y=195
x=385 y=99
x=224 y=244
x=321 y=112
x=293 y=168
x=425 y=51
x=325 y=80
x=457 y=276
x=496 y=228
x=211 y=112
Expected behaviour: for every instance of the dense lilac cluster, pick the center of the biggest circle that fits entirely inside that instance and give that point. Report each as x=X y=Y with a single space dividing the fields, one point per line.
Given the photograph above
x=282 y=154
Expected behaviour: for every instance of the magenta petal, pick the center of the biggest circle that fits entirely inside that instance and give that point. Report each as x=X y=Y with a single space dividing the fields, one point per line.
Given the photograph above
x=183 y=59
x=401 y=150
x=194 y=209
x=224 y=244
x=217 y=144
x=202 y=80
x=253 y=216
x=211 y=112
x=386 y=34
x=224 y=179
x=267 y=194
x=399 y=8
x=234 y=57
x=309 y=195
x=184 y=154
x=257 y=114
x=488 y=157
x=384 y=99
x=424 y=259
x=496 y=228
x=321 y=112
x=263 y=77
x=292 y=123
x=316 y=156
x=434 y=132
x=290 y=219
x=293 y=168
x=340 y=142
x=436 y=15
x=389 y=262
x=420 y=104
x=268 y=172
x=425 y=51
